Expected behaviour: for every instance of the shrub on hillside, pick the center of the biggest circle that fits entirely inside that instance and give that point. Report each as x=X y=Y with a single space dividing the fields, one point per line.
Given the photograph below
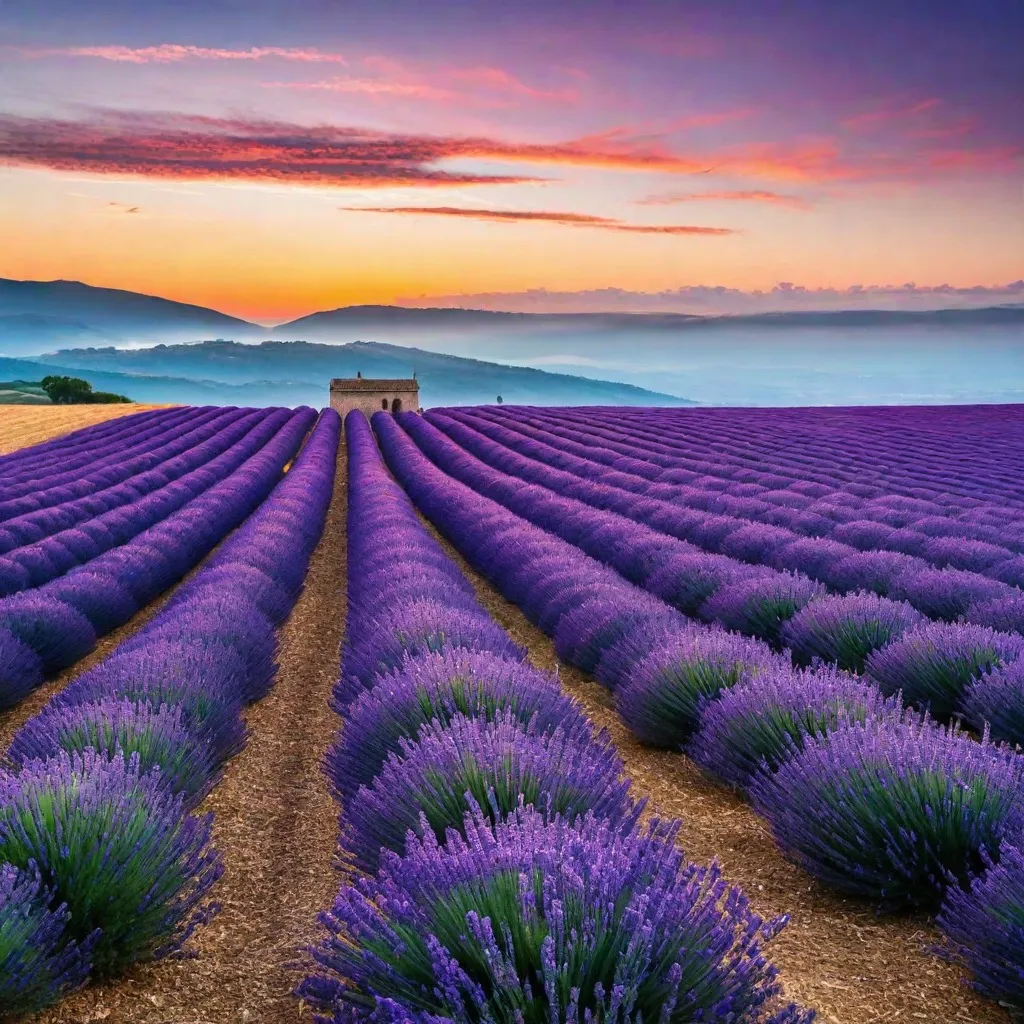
x=761 y=606
x=995 y=701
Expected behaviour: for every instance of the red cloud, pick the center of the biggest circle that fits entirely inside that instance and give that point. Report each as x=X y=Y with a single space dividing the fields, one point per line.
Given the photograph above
x=185 y=146
x=753 y=196
x=579 y=220
x=167 y=53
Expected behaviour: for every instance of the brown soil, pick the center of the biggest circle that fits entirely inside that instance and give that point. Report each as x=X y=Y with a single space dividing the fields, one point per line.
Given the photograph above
x=24 y=425
x=276 y=826
x=836 y=955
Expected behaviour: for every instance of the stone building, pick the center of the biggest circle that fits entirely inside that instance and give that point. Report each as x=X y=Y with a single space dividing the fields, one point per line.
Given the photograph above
x=374 y=395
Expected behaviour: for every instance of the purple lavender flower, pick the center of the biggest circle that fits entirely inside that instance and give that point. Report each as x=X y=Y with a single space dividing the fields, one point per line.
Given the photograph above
x=935 y=663
x=816 y=557
x=984 y=926
x=847 y=629
x=160 y=736
x=892 y=810
x=995 y=701
x=415 y=628
x=101 y=598
x=498 y=764
x=54 y=630
x=561 y=921
x=436 y=688
x=761 y=606
x=872 y=570
x=21 y=669
x=764 y=720
x=115 y=847
x=687 y=581
x=1004 y=613
x=947 y=593
x=662 y=699
x=38 y=965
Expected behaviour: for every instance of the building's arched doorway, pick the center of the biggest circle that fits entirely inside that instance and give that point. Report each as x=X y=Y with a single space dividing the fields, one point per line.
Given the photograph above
x=384 y=404
x=396 y=405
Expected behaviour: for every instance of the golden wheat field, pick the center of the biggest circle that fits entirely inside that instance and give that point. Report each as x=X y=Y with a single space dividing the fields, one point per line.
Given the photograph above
x=24 y=425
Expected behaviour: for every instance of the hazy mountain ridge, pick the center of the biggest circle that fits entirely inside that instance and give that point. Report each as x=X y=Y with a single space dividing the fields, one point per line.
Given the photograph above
x=301 y=369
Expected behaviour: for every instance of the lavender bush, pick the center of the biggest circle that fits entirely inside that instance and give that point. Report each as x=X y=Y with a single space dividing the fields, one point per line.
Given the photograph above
x=114 y=847
x=933 y=664
x=536 y=920
x=661 y=700
x=761 y=606
x=759 y=723
x=894 y=810
x=984 y=926
x=846 y=629
x=434 y=688
x=995 y=701
x=497 y=764
x=38 y=964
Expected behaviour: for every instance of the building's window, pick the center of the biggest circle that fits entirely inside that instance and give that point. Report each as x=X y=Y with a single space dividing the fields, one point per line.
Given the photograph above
x=384 y=403
x=396 y=405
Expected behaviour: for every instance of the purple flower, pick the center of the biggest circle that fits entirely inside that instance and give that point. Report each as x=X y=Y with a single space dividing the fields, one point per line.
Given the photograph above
x=38 y=964
x=984 y=926
x=160 y=736
x=54 y=630
x=893 y=810
x=933 y=664
x=995 y=701
x=761 y=606
x=115 y=847
x=21 y=669
x=563 y=921
x=499 y=764
x=764 y=720
x=662 y=698
x=845 y=630
x=687 y=581
x=946 y=593
x=436 y=688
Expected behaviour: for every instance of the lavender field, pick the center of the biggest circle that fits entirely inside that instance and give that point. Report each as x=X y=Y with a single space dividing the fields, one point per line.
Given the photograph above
x=515 y=714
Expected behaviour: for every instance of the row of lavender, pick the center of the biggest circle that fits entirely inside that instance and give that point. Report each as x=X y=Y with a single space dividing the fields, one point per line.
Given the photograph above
x=918 y=453
x=121 y=560
x=947 y=669
x=103 y=862
x=506 y=874
x=814 y=497
x=942 y=567
x=874 y=799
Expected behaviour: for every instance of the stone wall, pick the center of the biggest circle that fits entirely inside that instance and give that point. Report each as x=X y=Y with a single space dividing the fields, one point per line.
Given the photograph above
x=373 y=401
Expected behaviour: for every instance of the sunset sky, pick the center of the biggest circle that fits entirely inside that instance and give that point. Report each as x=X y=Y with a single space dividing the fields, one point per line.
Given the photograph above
x=270 y=159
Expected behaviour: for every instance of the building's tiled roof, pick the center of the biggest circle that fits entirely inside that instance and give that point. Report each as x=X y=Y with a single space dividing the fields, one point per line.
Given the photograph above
x=368 y=384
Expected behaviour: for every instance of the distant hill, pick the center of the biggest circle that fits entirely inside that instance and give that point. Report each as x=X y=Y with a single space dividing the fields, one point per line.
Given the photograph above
x=22 y=392
x=40 y=315
x=268 y=372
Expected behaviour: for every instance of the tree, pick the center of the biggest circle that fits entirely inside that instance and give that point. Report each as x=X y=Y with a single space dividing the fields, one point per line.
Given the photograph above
x=75 y=391
x=499 y=399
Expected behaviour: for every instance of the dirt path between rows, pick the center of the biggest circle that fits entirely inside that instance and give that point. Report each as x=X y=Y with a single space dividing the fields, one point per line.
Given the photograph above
x=836 y=955
x=276 y=826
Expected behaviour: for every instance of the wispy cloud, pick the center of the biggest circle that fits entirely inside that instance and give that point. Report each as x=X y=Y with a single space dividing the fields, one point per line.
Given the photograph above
x=193 y=147
x=890 y=112
x=748 y=196
x=575 y=220
x=170 y=53
x=474 y=86
x=719 y=300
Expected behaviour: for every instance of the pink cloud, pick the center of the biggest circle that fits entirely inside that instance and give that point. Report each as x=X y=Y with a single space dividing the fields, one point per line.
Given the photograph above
x=170 y=53
x=576 y=220
x=748 y=196
x=889 y=113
